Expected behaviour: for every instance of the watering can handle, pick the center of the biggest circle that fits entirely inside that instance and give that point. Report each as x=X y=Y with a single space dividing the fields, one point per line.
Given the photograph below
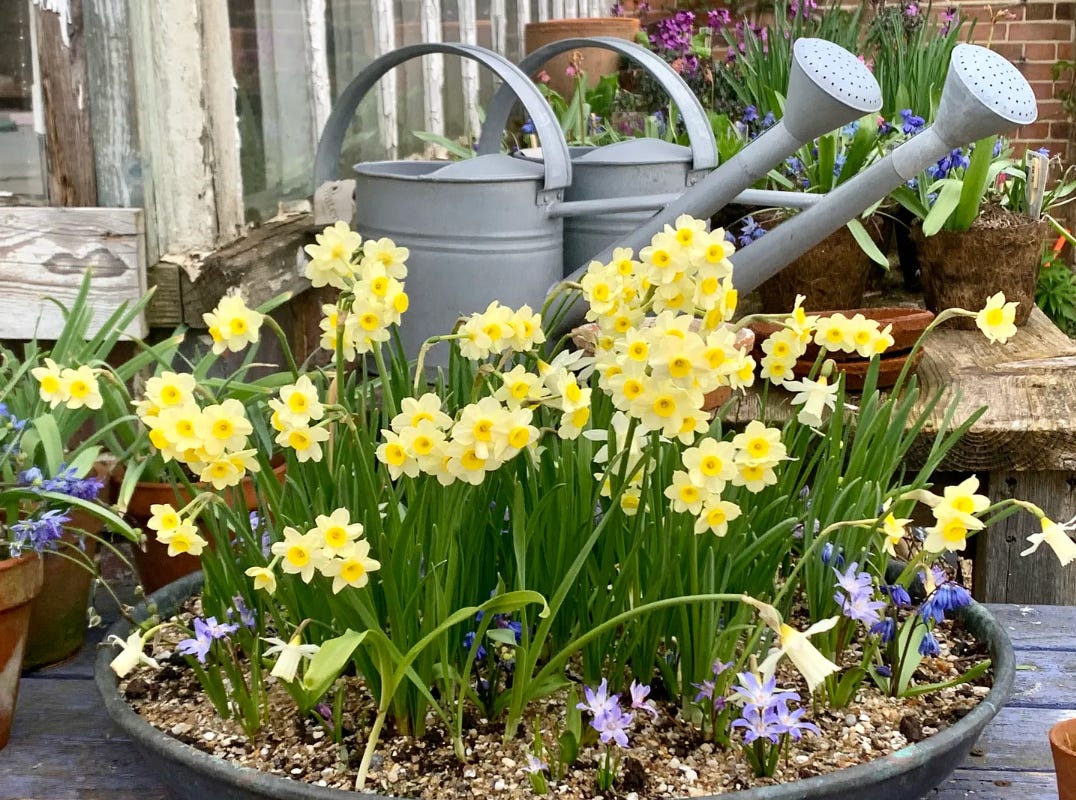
x=558 y=169
x=700 y=132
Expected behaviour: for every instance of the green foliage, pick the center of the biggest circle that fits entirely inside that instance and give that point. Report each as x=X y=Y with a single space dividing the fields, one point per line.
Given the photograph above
x=1055 y=291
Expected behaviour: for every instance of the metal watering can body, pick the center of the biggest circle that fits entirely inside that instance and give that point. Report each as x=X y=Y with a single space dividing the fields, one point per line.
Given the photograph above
x=477 y=230
x=645 y=171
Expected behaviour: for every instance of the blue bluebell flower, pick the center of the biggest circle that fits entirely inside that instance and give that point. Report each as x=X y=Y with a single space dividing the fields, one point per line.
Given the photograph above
x=912 y=123
x=886 y=627
x=750 y=114
x=38 y=533
x=929 y=646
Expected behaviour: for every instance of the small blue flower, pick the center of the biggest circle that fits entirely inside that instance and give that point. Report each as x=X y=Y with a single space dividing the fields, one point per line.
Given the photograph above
x=997 y=148
x=886 y=628
x=791 y=722
x=884 y=671
x=768 y=121
x=758 y=724
x=528 y=127
x=750 y=114
x=912 y=123
x=1044 y=151
x=38 y=533
x=898 y=594
x=468 y=643
x=246 y=615
x=929 y=645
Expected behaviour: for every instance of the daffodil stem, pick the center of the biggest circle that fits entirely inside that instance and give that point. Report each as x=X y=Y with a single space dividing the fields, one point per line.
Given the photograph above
x=274 y=326
x=371 y=746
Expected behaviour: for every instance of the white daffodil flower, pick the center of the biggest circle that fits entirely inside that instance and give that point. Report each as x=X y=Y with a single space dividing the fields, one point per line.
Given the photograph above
x=1057 y=537
x=796 y=645
x=287 y=664
x=131 y=655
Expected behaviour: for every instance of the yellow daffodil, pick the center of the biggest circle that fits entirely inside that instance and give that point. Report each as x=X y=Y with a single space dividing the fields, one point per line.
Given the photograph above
x=393 y=454
x=686 y=496
x=221 y=471
x=894 y=531
x=950 y=533
x=264 y=578
x=224 y=427
x=331 y=256
x=834 y=333
x=997 y=319
x=776 y=370
x=232 y=325
x=715 y=516
x=415 y=410
x=52 y=387
x=336 y=530
x=299 y=553
x=759 y=445
x=163 y=518
x=351 y=567
x=304 y=440
x=184 y=540
x=300 y=402
x=333 y=325
x=180 y=427
x=754 y=477
x=711 y=464
x=1057 y=537
x=170 y=389
x=812 y=665
x=82 y=388
x=384 y=254
x=520 y=386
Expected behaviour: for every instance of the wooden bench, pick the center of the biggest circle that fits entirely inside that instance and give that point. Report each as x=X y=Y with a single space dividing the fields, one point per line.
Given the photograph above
x=1023 y=446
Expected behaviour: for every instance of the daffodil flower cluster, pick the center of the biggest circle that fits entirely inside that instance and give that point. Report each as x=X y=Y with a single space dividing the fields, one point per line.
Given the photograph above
x=73 y=387
x=212 y=441
x=176 y=529
x=370 y=274
x=498 y=330
x=955 y=515
x=232 y=325
x=296 y=410
x=334 y=548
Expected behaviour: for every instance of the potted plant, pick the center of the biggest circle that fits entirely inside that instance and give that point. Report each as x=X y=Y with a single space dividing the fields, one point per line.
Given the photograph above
x=1063 y=747
x=54 y=446
x=543 y=556
x=38 y=503
x=977 y=237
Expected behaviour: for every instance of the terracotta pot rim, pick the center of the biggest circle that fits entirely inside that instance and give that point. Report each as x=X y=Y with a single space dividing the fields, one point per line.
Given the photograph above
x=27 y=573
x=1064 y=726
x=574 y=22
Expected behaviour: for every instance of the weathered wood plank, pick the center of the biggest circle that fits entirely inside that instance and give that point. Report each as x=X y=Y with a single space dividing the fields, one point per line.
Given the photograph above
x=1045 y=679
x=980 y=785
x=186 y=124
x=1037 y=627
x=1003 y=575
x=61 y=55
x=44 y=252
x=265 y=263
x=117 y=161
x=1017 y=740
x=165 y=309
x=433 y=69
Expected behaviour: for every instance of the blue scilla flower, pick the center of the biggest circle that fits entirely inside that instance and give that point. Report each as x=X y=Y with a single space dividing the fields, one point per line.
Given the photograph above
x=912 y=123
x=38 y=533
x=929 y=646
x=886 y=628
x=851 y=128
x=948 y=597
x=912 y=184
x=468 y=643
x=527 y=127
x=884 y=671
x=750 y=114
x=997 y=148
x=768 y=121
x=793 y=165
x=898 y=594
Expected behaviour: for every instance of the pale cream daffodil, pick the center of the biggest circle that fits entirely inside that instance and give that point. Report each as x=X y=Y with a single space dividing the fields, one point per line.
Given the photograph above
x=131 y=655
x=795 y=644
x=1057 y=537
x=290 y=654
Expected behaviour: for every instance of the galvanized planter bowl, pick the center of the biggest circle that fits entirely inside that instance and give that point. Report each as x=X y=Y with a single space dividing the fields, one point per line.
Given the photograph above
x=908 y=773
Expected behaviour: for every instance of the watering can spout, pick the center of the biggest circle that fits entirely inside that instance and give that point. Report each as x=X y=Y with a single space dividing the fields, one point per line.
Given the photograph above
x=983 y=95
x=828 y=87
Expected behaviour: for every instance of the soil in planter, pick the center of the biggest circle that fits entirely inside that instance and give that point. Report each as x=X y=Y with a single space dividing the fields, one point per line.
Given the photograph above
x=667 y=757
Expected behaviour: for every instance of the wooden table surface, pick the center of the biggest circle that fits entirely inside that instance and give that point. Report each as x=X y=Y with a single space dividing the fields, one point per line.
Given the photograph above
x=64 y=747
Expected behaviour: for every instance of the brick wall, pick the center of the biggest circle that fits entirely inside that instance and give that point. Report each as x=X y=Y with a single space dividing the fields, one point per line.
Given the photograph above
x=1033 y=35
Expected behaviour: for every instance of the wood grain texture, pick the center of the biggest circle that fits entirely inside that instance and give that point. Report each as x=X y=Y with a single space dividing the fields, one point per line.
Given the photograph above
x=989 y=785
x=1002 y=574
x=117 y=161
x=264 y=264
x=65 y=91
x=1045 y=679
x=1016 y=740
x=1038 y=627
x=44 y=253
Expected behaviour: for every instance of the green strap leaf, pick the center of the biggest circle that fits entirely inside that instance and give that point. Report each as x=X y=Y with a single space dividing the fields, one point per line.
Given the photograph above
x=866 y=243
x=328 y=662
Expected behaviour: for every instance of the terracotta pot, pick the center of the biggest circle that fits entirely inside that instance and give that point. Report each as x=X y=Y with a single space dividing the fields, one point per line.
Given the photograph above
x=1063 y=745
x=58 y=614
x=154 y=566
x=596 y=62
x=832 y=274
x=1000 y=253
x=20 y=581
x=907 y=325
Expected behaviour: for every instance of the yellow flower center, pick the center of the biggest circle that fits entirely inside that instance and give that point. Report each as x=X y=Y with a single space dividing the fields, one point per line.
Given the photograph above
x=862 y=336
x=220 y=469
x=471 y=461
x=223 y=429
x=716 y=516
x=238 y=326
x=834 y=335
x=624 y=266
x=298 y=555
x=298 y=440
x=632 y=388
x=638 y=351
x=600 y=292
x=168 y=522
x=710 y=466
x=519 y=437
x=751 y=473
x=395 y=455
x=781 y=349
x=954 y=531
x=181 y=543
x=661 y=259
x=352 y=571
x=493 y=331
x=685 y=236
x=336 y=536
x=379 y=286
x=419 y=416
x=573 y=392
x=688 y=493
x=423 y=445
x=994 y=317
x=580 y=416
x=709 y=285
x=337 y=251
x=185 y=428
x=621 y=324
x=79 y=389
x=483 y=430
x=715 y=253
x=158 y=439
x=171 y=395
x=664 y=406
x=369 y=321
x=520 y=389
x=964 y=504
x=758 y=447
x=401 y=302
x=297 y=403
x=680 y=367
x=715 y=357
x=50 y=384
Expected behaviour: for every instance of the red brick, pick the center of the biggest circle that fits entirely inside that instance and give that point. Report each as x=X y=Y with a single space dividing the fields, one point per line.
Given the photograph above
x=1065 y=50
x=1051 y=109
x=1038 y=71
x=1035 y=11
x=1039 y=31
x=1040 y=51
x=1064 y=10
x=1037 y=130
x=1044 y=90
x=1060 y=130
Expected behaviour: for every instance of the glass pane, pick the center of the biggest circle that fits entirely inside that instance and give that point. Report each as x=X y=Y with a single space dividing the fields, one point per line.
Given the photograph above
x=21 y=170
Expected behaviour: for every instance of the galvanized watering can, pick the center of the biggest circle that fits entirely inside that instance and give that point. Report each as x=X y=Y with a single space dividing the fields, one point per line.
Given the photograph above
x=637 y=176
x=485 y=229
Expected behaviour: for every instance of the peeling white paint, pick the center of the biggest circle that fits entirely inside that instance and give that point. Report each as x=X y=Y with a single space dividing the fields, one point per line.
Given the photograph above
x=63 y=9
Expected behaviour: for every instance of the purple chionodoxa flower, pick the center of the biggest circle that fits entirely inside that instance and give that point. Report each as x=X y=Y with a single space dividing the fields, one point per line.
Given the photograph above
x=856 y=598
x=37 y=533
x=610 y=720
x=766 y=712
x=206 y=631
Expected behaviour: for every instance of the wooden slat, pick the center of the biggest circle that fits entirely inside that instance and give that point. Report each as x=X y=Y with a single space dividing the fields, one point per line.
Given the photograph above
x=433 y=69
x=469 y=69
x=61 y=54
x=1016 y=740
x=1002 y=574
x=967 y=784
x=43 y=253
x=384 y=25
x=1045 y=679
x=117 y=160
x=498 y=22
x=1038 y=627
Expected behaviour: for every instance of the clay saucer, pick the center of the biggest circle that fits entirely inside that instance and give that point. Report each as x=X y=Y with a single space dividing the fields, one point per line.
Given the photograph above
x=907 y=324
x=855 y=372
